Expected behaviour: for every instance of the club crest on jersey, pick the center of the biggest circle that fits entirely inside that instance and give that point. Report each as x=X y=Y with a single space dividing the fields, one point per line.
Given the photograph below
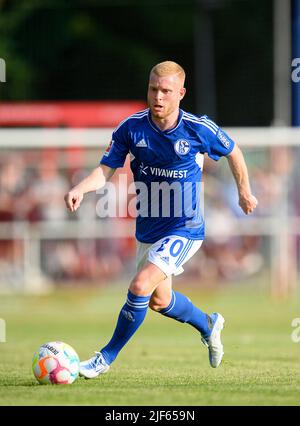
x=107 y=151
x=182 y=147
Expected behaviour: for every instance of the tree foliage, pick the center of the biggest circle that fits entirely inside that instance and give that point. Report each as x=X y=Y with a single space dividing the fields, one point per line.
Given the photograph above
x=104 y=49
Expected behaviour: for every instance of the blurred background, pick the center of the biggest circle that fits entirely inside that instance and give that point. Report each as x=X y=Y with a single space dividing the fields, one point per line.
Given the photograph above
x=72 y=70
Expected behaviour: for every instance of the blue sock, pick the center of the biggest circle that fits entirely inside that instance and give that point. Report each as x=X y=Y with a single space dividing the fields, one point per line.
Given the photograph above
x=130 y=318
x=183 y=310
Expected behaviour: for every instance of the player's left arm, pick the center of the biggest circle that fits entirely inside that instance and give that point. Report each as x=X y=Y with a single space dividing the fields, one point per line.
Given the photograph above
x=236 y=161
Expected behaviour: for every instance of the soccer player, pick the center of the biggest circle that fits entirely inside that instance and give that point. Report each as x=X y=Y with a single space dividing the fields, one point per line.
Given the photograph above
x=167 y=147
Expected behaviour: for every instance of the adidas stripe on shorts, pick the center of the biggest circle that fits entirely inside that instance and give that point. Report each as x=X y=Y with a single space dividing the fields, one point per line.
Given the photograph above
x=168 y=253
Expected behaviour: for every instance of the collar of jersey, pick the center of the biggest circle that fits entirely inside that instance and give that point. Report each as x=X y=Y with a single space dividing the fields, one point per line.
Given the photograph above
x=165 y=132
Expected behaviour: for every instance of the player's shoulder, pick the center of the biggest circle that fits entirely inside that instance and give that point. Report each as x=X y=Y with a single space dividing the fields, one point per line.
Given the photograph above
x=202 y=122
x=137 y=117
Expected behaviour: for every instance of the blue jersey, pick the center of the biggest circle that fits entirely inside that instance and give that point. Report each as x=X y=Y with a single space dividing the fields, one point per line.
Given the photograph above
x=167 y=168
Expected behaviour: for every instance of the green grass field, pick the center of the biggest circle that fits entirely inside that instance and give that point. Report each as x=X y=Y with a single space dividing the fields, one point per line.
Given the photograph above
x=164 y=363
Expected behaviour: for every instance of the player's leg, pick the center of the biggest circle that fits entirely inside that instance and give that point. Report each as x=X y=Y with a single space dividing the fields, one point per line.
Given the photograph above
x=162 y=295
x=134 y=310
x=131 y=316
x=168 y=302
x=176 y=305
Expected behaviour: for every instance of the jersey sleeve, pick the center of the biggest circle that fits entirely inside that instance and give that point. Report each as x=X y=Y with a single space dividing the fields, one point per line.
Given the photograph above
x=115 y=154
x=217 y=143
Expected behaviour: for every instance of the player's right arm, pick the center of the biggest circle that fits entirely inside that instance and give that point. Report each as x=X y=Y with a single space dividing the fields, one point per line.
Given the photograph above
x=95 y=180
x=113 y=158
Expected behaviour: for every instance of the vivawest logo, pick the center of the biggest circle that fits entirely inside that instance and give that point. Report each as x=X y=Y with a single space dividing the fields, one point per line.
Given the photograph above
x=2 y=71
x=169 y=173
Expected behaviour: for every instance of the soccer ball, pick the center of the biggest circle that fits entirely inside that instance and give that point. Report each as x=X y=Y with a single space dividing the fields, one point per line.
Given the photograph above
x=55 y=363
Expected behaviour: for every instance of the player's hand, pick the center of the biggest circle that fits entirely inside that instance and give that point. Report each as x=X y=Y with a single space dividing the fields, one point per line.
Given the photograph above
x=73 y=200
x=248 y=203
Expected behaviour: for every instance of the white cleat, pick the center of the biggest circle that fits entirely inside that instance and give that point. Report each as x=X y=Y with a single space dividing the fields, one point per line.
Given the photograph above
x=93 y=367
x=213 y=342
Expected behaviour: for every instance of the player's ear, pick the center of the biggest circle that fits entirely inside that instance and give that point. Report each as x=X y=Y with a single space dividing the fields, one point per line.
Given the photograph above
x=182 y=92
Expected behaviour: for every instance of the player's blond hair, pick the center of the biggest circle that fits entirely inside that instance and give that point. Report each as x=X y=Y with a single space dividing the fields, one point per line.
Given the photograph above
x=168 y=68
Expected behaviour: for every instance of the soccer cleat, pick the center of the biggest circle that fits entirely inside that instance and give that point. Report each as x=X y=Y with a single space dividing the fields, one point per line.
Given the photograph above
x=93 y=367
x=213 y=341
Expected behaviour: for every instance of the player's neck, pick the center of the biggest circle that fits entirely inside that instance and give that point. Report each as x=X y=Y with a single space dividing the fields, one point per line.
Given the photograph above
x=166 y=123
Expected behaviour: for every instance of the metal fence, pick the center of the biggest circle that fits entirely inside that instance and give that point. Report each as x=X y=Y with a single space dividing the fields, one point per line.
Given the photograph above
x=38 y=236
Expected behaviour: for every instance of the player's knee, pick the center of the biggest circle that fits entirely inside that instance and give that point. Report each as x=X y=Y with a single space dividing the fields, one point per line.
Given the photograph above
x=139 y=286
x=158 y=303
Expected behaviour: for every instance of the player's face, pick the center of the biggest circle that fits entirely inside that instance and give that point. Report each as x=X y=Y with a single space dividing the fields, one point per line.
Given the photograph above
x=164 y=95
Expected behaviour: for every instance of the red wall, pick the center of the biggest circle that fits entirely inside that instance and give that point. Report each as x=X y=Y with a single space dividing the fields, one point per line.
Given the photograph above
x=67 y=114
